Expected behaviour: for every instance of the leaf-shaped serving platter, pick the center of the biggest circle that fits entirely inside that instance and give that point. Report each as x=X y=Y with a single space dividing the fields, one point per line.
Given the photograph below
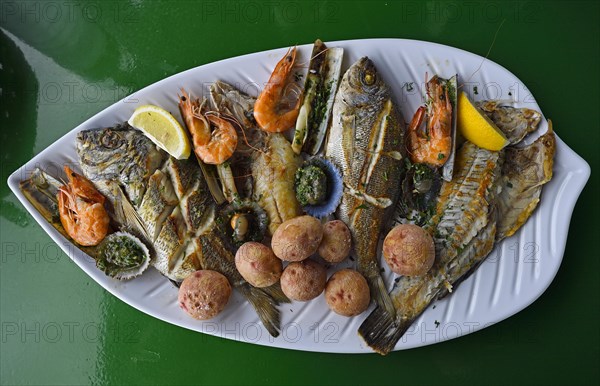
x=514 y=275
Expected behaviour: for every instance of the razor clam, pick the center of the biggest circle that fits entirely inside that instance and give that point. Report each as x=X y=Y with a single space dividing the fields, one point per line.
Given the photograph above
x=448 y=168
x=235 y=175
x=366 y=142
x=319 y=91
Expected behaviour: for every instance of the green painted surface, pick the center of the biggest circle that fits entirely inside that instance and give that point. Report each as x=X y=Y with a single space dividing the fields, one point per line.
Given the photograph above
x=72 y=59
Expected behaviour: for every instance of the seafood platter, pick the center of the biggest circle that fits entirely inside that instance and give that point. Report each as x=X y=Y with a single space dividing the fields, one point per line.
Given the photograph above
x=353 y=196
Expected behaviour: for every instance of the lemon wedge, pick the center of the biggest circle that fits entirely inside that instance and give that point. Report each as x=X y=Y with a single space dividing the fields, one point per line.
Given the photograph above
x=163 y=129
x=476 y=127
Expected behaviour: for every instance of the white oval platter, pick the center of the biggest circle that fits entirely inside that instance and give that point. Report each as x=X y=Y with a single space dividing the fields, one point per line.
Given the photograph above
x=515 y=274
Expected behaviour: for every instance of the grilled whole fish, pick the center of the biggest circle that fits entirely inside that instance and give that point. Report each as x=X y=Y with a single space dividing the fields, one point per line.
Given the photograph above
x=524 y=173
x=119 y=155
x=475 y=210
x=178 y=213
x=464 y=229
x=412 y=295
x=366 y=142
x=273 y=173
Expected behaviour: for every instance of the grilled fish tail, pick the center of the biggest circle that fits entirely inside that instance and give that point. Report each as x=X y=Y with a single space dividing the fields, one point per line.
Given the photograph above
x=413 y=295
x=276 y=293
x=380 y=294
x=265 y=306
x=215 y=256
x=381 y=331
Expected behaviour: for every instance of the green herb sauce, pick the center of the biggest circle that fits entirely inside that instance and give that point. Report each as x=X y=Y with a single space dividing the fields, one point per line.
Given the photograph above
x=311 y=185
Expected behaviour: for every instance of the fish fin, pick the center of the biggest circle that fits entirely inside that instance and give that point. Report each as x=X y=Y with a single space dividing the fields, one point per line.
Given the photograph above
x=381 y=331
x=381 y=296
x=265 y=307
x=129 y=216
x=276 y=293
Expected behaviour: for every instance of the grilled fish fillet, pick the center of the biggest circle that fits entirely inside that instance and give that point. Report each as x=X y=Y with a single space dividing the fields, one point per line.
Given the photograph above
x=524 y=173
x=158 y=203
x=273 y=173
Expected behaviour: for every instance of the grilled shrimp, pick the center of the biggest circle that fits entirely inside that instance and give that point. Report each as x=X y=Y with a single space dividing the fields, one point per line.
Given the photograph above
x=211 y=146
x=270 y=110
x=81 y=209
x=432 y=145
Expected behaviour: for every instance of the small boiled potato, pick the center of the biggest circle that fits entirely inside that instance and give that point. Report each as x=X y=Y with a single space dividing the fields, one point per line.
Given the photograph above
x=336 y=243
x=257 y=264
x=304 y=280
x=409 y=250
x=347 y=293
x=204 y=294
x=298 y=238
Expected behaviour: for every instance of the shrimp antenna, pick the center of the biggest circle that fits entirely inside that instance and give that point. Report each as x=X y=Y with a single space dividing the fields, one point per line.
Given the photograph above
x=488 y=53
x=233 y=120
x=303 y=64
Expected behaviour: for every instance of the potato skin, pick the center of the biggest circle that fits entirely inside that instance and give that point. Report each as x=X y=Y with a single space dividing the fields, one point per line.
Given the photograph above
x=336 y=243
x=347 y=293
x=304 y=280
x=409 y=250
x=257 y=264
x=298 y=238
x=204 y=294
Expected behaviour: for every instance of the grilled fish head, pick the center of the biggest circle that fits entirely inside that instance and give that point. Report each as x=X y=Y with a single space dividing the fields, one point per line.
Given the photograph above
x=362 y=83
x=103 y=144
x=120 y=155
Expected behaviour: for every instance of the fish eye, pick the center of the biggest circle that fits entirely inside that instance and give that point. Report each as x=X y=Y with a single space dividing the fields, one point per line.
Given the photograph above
x=368 y=78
